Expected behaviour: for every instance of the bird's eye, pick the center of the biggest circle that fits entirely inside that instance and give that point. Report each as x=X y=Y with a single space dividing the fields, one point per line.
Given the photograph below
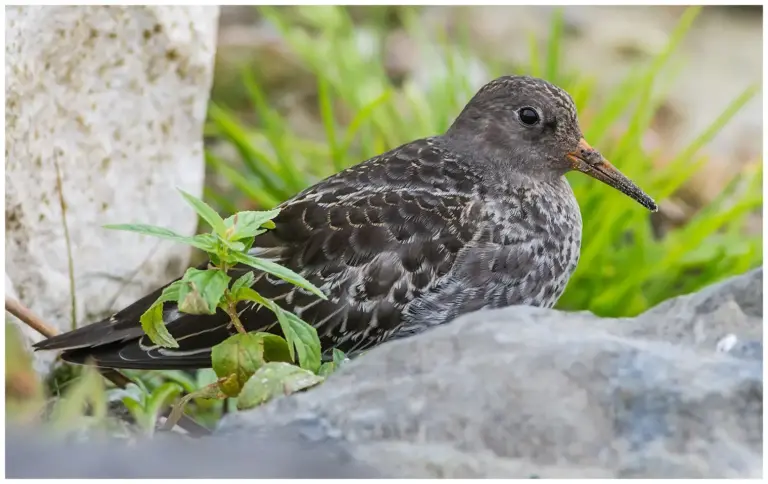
x=528 y=116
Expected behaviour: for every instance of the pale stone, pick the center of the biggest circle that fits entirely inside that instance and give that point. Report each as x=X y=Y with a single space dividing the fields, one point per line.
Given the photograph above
x=104 y=118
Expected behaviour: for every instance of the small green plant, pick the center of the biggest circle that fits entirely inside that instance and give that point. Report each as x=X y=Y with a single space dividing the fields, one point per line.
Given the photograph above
x=146 y=406
x=205 y=411
x=204 y=291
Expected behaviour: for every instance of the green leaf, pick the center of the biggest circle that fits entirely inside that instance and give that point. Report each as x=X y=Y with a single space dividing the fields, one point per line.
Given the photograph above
x=131 y=391
x=338 y=356
x=230 y=386
x=331 y=366
x=298 y=334
x=273 y=380
x=138 y=381
x=200 y=241
x=246 y=280
x=207 y=392
x=249 y=223
x=139 y=414
x=202 y=290
x=279 y=271
x=239 y=356
x=162 y=396
x=248 y=243
x=275 y=348
x=177 y=376
x=152 y=319
x=303 y=336
x=234 y=245
x=326 y=369
x=206 y=212
x=206 y=242
x=153 y=325
x=205 y=376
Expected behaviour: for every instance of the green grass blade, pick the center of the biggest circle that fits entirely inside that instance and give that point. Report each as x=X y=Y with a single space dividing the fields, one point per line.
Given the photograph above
x=262 y=196
x=717 y=125
x=255 y=160
x=553 y=47
x=223 y=203
x=274 y=130
x=329 y=122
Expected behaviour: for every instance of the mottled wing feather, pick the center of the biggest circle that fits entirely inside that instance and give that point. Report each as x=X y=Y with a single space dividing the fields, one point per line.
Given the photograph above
x=373 y=237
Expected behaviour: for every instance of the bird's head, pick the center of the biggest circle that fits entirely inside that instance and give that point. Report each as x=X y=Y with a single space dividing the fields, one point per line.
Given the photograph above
x=533 y=125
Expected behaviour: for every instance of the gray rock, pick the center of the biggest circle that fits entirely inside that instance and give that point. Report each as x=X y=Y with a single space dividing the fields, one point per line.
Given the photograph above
x=731 y=344
x=105 y=108
x=702 y=319
x=527 y=392
x=259 y=454
x=522 y=392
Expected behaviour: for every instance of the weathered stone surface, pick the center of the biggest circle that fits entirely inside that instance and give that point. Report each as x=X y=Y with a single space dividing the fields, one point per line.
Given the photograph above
x=531 y=392
x=104 y=115
x=702 y=319
x=258 y=455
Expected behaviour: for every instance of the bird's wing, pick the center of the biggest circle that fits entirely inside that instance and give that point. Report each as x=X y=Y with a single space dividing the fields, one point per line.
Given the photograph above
x=372 y=238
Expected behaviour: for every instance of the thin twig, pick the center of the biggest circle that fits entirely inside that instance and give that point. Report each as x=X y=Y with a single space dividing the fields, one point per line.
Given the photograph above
x=29 y=318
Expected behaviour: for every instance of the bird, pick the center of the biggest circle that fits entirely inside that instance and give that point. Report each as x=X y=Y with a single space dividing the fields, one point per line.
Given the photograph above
x=478 y=217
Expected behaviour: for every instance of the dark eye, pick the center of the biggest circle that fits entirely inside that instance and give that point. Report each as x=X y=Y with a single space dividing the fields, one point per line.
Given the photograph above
x=528 y=116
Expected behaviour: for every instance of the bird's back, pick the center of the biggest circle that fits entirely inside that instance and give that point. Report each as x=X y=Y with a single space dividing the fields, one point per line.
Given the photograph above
x=373 y=238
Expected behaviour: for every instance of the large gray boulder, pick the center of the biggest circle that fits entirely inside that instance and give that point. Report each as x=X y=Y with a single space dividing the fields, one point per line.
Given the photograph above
x=526 y=392
x=520 y=392
x=104 y=117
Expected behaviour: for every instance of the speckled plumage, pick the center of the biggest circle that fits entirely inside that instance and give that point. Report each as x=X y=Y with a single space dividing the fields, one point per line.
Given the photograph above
x=480 y=217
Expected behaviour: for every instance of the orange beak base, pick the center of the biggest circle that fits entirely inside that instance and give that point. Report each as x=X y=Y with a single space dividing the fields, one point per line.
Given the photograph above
x=588 y=160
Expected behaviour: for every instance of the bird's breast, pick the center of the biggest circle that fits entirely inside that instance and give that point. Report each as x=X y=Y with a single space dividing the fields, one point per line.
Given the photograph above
x=539 y=224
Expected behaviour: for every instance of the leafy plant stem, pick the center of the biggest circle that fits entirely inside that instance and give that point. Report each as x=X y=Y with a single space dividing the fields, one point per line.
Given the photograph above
x=231 y=310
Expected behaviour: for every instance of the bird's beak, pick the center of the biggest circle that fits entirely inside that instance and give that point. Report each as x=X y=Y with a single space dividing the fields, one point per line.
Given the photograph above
x=588 y=160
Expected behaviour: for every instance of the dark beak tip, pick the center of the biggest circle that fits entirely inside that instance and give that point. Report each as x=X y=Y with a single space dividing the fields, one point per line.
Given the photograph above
x=650 y=204
x=589 y=161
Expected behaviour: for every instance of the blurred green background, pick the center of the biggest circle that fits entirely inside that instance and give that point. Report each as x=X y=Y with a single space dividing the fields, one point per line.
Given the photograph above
x=302 y=92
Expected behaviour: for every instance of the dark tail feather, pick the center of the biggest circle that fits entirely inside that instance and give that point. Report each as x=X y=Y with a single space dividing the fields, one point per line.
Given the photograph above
x=123 y=325
x=131 y=357
x=79 y=338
